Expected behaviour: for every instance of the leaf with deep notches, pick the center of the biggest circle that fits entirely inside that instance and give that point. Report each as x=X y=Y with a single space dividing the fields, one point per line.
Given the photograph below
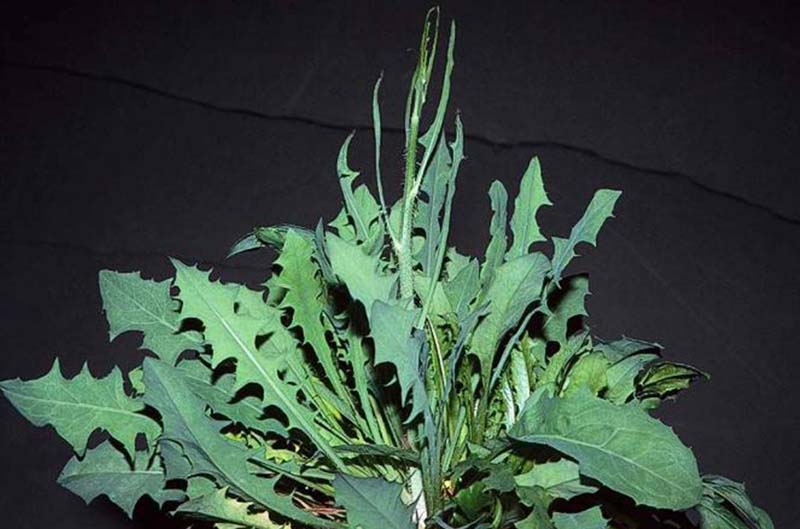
x=132 y=303
x=299 y=276
x=397 y=342
x=77 y=407
x=498 y=243
x=585 y=231
x=530 y=199
x=206 y=452
x=360 y=272
x=372 y=503
x=620 y=446
x=106 y=471
x=232 y=335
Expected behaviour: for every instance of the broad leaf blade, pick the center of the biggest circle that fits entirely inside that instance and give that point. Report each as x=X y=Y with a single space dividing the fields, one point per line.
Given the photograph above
x=372 y=503
x=620 y=446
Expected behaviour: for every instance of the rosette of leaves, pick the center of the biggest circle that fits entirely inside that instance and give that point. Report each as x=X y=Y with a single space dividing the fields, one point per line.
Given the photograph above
x=381 y=379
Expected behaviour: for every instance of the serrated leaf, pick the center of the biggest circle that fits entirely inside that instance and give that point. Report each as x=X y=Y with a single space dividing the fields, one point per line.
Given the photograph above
x=558 y=479
x=233 y=335
x=518 y=283
x=429 y=208
x=77 y=407
x=107 y=471
x=299 y=276
x=462 y=288
x=589 y=519
x=530 y=199
x=497 y=231
x=205 y=451
x=585 y=231
x=563 y=305
x=620 y=446
x=218 y=507
x=135 y=304
x=372 y=503
x=220 y=395
x=397 y=342
x=360 y=272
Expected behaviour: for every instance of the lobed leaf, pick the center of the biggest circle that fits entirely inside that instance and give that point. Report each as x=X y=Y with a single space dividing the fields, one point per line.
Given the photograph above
x=79 y=406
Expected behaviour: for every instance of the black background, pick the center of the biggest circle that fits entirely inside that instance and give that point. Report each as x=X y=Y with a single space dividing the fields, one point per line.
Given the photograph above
x=132 y=131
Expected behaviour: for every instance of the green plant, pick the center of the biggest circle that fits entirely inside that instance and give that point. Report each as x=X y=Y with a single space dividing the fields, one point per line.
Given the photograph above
x=383 y=379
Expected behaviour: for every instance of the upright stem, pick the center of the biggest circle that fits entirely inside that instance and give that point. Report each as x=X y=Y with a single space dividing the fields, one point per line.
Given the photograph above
x=404 y=254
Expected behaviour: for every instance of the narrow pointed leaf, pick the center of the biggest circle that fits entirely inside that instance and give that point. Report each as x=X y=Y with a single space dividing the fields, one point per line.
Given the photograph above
x=530 y=199
x=585 y=231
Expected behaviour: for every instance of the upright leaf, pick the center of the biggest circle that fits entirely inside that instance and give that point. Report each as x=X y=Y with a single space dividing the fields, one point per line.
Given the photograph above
x=372 y=503
x=437 y=178
x=360 y=272
x=299 y=276
x=620 y=446
x=530 y=199
x=397 y=342
x=77 y=407
x=563 y=305
x=135 y=304
x=518 y=284
x=600 y=208
x=497 y=231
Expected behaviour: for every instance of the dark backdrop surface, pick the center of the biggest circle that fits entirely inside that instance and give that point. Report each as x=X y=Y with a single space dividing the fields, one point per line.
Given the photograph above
x=132 y=131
